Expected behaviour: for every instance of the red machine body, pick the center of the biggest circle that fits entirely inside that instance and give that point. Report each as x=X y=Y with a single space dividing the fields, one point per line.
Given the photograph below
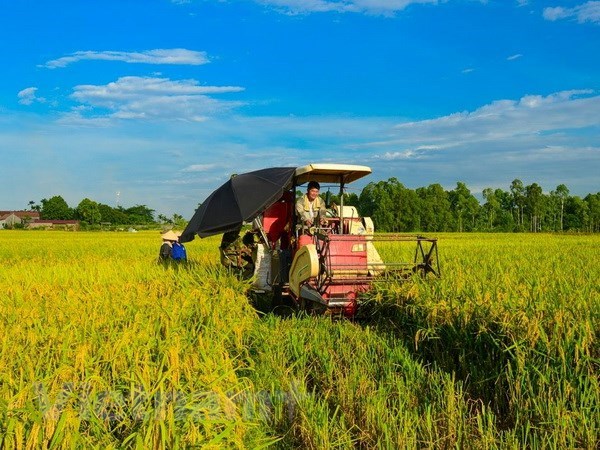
x=327 y=269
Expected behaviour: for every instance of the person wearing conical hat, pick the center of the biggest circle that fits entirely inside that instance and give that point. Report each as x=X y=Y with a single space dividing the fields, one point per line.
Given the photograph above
x=168 y=237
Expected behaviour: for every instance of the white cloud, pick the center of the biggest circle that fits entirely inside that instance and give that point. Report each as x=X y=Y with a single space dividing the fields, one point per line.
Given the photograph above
x=586 y=12
x=515 y=132
x=155 y=98
x=76 y=118
x=157 y=56
x=383 y=7
x=199 y=168
x=413 y=153
x=507 y=119
x=391 y=156
x=513 y=57
x=555 y=13
x=28 y=95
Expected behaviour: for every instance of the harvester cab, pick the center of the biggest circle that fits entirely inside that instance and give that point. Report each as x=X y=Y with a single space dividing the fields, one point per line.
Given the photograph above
x=327 y=267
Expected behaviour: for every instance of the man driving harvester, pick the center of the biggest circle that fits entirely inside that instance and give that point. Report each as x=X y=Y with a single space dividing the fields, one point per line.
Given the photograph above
x=310 y=208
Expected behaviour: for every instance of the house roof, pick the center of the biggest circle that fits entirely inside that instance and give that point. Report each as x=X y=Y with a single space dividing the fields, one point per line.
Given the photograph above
x=20 y=214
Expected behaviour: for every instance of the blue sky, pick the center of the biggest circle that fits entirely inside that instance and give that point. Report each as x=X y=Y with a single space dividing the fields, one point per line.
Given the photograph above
x=158 y=102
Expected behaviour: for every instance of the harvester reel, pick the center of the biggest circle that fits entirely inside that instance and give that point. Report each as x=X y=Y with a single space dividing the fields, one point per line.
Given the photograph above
x=429 y=261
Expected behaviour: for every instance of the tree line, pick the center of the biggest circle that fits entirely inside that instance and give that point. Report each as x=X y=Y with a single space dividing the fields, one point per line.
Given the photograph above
x=92 y=213
x=396 y=208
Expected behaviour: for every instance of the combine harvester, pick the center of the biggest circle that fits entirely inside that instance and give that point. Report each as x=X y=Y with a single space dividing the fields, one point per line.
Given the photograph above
x=327 y=270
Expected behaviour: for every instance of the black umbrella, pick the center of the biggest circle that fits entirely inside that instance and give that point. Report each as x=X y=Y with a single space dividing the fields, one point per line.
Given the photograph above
x=240 y=199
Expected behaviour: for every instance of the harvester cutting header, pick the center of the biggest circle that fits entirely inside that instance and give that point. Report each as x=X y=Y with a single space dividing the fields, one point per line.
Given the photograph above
x=321 y=256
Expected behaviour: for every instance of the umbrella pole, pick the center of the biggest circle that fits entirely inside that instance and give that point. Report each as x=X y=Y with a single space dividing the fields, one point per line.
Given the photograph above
x=257 y=224
x=341 y=204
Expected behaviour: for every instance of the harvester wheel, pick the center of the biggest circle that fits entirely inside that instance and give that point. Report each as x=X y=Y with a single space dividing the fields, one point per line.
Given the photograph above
x=423 y=269
x=315 y=308
x=277 y=298
x=310 y=307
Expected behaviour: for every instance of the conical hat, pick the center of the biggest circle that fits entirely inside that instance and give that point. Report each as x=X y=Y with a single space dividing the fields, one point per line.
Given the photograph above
x=170 y=236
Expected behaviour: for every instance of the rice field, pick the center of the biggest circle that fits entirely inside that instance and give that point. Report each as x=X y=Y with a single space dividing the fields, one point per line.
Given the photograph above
x=104 y=348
